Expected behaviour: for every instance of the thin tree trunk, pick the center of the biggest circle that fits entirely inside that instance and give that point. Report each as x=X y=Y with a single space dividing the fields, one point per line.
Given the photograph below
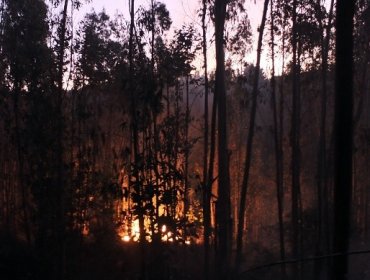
x=211 y=164
x=152 y=40
x=366 y=210
x=187 y=121
x=359 y=108
x=281 y=110
x=343 y=127
x=60 y=230
x=206 y=182
x=2 y=10
x=322 y=193
x=168 y=99
x=135 y=135
x=295 y=145
x=278 y=149
x=249 y=148
x=20 y=164
x=223 y=202
x=131 y=76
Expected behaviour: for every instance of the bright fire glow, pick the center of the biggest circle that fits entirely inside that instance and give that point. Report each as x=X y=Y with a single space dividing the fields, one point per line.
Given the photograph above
x=164 y=228
x=134 y=235
x=125 y=238
x=85 y=230
x=167 y=236
x=131 y=232
x=135 y=227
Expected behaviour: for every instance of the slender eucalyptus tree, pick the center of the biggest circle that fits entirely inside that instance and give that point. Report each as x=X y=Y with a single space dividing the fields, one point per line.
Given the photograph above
x=207 y=186
x=249 y=149
x=60 y=211
x=295 y=141
x=223 y=203
x=278 y=145
x=323 y=243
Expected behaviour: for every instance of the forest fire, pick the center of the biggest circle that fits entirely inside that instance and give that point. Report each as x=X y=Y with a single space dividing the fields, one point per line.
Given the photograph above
x=166 y=236
x=129 y=233
x=129 y=150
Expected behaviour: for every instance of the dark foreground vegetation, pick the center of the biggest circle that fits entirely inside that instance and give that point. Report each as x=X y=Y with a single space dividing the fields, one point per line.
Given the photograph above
x=119 y=159
x=111 y=259
x=107 y=259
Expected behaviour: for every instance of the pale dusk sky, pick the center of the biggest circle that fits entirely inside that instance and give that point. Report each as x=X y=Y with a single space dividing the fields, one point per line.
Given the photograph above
x=181 y=12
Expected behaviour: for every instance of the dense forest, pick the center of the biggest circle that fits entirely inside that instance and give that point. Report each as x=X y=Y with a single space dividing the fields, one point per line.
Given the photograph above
x=130 y=149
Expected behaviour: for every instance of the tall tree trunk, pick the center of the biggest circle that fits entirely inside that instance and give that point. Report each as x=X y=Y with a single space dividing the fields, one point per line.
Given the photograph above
x=211 y=164
x=278 y=149
x=19 y=142
x=60 y=211
x=20 y=163
x=2 y=10
x=187 y=121
x=223 y=202
x=322 y=187
x=152 y=3
x=343 y=126
x=295 y=145
x=206 y=184
x=249 y=148
x=135 y=135
x=131 y=77
x=281 y=111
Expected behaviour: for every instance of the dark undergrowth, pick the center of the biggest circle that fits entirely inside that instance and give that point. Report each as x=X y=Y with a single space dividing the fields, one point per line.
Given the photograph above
x=102 y=259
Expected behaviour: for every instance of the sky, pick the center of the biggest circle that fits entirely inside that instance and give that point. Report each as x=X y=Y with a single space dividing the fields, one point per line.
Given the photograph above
x=181 y=12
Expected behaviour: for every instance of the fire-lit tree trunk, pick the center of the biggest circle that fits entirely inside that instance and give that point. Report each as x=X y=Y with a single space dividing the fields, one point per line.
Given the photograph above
x=212 y=154
x=343 y=127
x=206 y=182
x=134 y=133
x=278 y=148
x=223 y=202
x=186 y=163
x=249 y=148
